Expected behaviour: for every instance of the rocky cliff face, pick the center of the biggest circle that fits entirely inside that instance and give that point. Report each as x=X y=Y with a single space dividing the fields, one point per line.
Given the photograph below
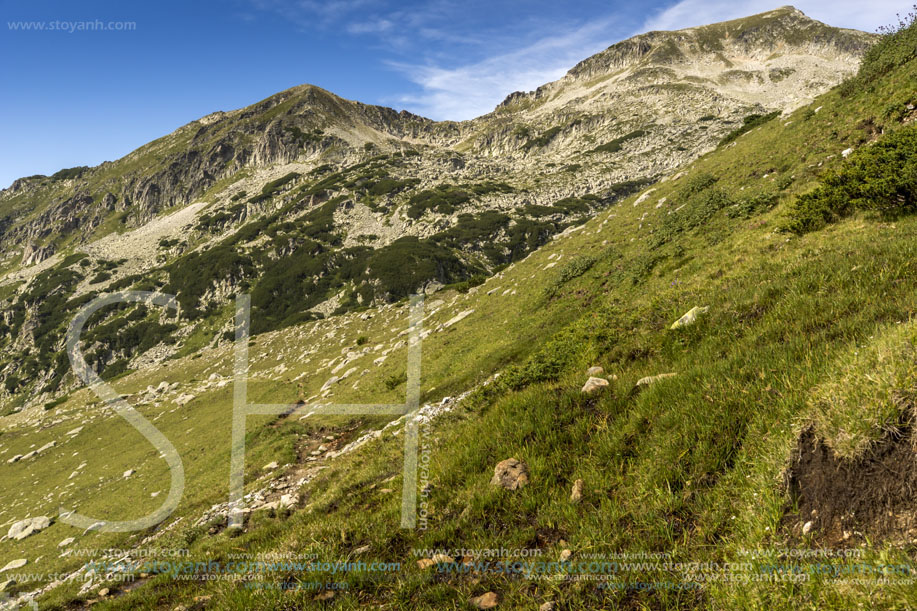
x=318 y=204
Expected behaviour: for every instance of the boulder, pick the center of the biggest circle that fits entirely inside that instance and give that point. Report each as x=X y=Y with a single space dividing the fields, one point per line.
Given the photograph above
x=23 y=528
x=289 y=500
x=577 y=494
x=594 y=384
x=488 y=600
x=690 y=317
x=510 y=474
x=184 y=399
x=594 y=371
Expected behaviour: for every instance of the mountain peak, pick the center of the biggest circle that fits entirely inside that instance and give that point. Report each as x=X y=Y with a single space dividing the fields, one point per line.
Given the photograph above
x=779 y=54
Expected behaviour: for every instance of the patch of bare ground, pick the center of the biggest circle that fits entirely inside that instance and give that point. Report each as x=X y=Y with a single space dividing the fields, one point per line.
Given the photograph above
x=841 y=501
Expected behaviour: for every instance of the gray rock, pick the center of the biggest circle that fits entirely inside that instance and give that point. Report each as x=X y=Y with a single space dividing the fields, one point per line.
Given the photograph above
x=488 y=600
x=594 y=384
x=29 y=526
x=594 y=371
x=289 y=500
x=510 y=474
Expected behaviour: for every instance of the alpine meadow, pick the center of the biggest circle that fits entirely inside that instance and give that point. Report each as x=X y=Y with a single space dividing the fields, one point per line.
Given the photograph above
x=642 y=338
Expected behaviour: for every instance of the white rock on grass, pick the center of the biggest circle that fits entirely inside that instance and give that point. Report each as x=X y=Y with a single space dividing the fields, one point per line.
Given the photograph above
x=576 y=495
x=653 y=379
x=690 y=317
x=29 y=526
x=14 y=564
x=289 y=500
x=594 y=384
x=457 y=318
x=643 y=197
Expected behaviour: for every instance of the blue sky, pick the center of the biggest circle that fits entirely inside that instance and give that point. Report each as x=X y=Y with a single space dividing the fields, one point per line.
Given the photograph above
x=84 y=96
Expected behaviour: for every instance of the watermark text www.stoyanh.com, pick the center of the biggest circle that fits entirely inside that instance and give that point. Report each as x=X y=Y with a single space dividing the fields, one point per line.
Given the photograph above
x=70 y=27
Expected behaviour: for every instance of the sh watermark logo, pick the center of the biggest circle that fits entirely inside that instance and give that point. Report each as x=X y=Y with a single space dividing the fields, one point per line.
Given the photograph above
x=242 y=409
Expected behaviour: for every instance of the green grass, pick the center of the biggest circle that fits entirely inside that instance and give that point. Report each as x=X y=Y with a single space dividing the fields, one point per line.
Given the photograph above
x=802 y=329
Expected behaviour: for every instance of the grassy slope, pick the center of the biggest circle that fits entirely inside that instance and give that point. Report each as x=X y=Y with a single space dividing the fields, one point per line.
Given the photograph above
x=690 y=466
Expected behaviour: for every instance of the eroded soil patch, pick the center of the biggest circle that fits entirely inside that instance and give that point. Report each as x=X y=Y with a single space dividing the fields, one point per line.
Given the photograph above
x=874 y=496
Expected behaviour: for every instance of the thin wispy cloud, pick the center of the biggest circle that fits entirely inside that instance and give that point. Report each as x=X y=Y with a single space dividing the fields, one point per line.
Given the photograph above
x=470 y=90
x=370 y=27
x=840 y=13
x=313 y=12
x=462 y=66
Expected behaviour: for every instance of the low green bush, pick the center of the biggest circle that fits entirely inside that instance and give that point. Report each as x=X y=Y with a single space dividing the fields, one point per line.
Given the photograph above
x=749 y=123
x=615 y=145
x=896 y=47
x=880 y=179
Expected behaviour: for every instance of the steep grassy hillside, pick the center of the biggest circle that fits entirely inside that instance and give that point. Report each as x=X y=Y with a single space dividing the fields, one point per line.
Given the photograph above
x=773 y=470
